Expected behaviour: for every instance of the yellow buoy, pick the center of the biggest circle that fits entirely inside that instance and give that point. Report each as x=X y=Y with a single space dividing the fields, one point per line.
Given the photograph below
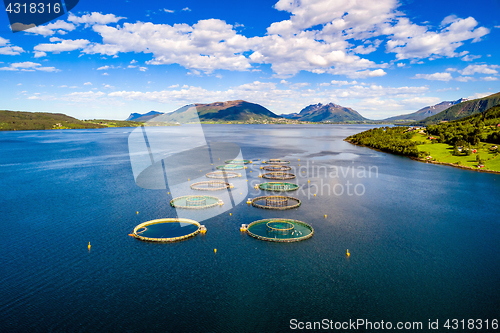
x=314 y=194
x=131 y=235
x=239 y=175
x=188 y=179
x=250 y=170
x=299 y=159
x=241 y=193
x=299 y=164
x=247 y=179
x=251 y=162
x=89 y=246
x=168 y=192
x=230 y=214
x=249 y=201
x=308 y=180
x=137 y=212
x=245 y=166
x=215 y=250
x=348 y=254
x=325 y=216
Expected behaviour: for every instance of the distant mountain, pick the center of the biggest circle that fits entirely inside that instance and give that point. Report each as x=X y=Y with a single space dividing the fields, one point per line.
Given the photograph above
x=220 y=111
x=423 y=113
x=462 y=110
x=143 y=117
x=327 y=112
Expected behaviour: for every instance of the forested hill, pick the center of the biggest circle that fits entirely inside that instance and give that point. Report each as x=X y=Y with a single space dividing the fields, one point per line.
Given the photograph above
x=470 y=130
x=22 y=121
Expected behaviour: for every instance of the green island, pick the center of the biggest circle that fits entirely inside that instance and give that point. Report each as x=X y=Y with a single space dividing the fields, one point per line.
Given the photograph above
x=469 y=143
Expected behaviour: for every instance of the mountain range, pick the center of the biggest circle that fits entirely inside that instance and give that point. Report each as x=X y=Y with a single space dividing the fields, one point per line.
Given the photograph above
x=463 y=109
x=240 y=110
x=425 y=112
x=326 y=112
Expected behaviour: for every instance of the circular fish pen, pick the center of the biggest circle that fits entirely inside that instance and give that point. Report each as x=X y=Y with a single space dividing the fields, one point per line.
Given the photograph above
x=195 y=202
x=166 y=230
x=278 y=186
x=278 y=202
x=276 y=168
x=211 y=185
x=237 y=161
x=276 y=161
x=222 y=174
x=278 y=175
x=280 y=230
x=231 y=167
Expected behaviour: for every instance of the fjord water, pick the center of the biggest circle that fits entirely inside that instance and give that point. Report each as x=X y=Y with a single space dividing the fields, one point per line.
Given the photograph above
x=424 y=239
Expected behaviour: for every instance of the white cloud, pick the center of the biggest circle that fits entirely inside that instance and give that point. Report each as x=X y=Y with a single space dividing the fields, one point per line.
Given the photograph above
x=343 y=83
x=50 y=29
x=445 y=76
x=464 y=78
x=39 y=54
x=174 y=86
x=400 y=64
x=489 y=78
x=103 y=68
x=64 y=45
x=479 y=95
x=143 y=69
x=470 y=57
x=7 y=49
x=94 y=18
x=483 y=69
x=450 y=69
x=186 y=9
x=168 y=10
x=87 y=84
x=28 y=66
x=409 y=40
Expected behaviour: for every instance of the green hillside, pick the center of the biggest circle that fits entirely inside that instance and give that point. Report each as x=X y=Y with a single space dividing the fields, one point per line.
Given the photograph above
x=462 y=110
x=220 y=111
x=21 y=121
x=470 y=142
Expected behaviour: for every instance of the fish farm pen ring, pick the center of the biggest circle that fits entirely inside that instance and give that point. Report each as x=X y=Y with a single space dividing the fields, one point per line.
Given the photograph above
x=231 y=167
x=278 y=175
x=280 y=230
x=279 y=202
x=276 y=161
x=237 y=161
x=211 y=185
x=222 y=174
x=280 y=226
x=276 y=168
x=195 y=202
x=278 y=186
x=166 y=230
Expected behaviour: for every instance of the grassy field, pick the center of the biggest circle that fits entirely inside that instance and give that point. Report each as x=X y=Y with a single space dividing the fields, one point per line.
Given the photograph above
x=442 y=152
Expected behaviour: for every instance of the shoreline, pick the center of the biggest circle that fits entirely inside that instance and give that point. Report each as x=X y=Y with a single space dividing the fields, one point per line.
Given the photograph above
x=465 y=167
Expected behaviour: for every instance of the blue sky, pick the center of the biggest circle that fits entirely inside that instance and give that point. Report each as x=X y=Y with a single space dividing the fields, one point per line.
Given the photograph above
x=108 y=59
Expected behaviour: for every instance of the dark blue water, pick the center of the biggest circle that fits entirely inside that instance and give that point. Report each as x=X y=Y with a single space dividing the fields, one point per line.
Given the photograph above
x=424 y=239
